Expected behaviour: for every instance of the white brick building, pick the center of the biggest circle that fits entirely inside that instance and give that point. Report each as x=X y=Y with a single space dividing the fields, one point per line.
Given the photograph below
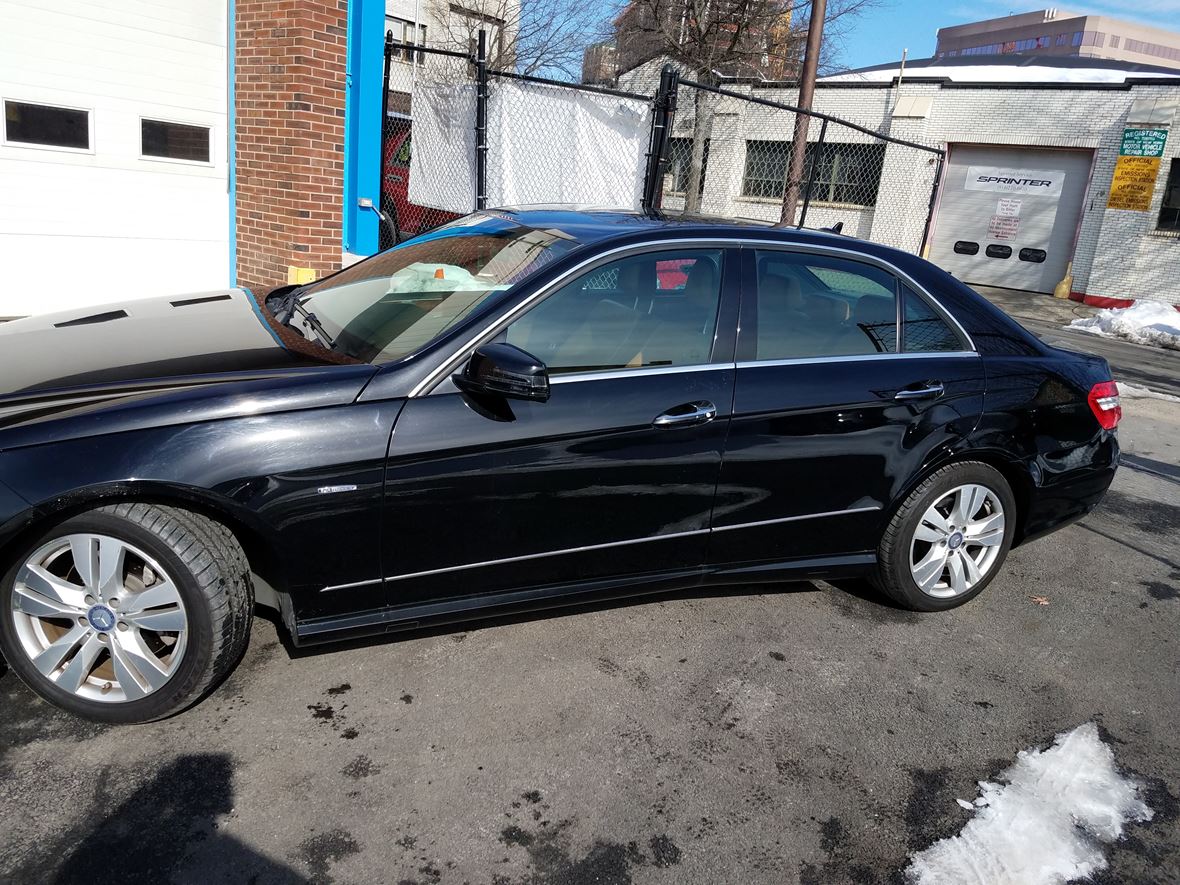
x=1057 y=125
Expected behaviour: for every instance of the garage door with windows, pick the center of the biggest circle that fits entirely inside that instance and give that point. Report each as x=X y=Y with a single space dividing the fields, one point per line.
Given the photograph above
x=1009 y=216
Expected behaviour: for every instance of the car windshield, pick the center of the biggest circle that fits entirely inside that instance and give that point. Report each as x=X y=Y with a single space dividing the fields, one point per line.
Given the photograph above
x=395 y=303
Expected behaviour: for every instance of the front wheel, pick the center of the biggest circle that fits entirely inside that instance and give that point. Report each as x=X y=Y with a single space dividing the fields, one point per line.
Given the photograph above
x=127 y=613
x=948 y=539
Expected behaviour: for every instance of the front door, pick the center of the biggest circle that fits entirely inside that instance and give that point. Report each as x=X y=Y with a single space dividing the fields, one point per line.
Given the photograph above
x=613 y=476
x=833 y=410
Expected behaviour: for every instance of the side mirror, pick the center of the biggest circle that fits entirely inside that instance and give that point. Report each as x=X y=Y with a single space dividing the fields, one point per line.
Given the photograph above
x=504 y=370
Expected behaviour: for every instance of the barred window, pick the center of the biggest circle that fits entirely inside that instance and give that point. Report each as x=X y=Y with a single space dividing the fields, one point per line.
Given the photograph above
x=844 y=172
x=680 y=159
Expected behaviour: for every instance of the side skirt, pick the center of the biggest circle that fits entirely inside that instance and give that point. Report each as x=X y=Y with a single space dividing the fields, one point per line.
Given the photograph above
x=395 y=619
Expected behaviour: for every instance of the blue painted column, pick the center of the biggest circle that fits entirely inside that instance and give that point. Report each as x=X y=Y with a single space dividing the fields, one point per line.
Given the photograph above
x=362 y=122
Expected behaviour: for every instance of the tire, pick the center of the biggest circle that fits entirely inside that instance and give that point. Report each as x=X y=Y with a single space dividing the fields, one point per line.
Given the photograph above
x=148 y=607
x=929 y=558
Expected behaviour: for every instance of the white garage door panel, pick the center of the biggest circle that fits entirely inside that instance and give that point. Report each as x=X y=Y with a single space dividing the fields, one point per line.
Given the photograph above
x=85 y=228
x=1018 y=198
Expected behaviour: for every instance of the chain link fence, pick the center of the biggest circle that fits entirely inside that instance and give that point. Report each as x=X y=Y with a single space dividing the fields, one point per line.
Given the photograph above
x=459 y=136
x=731 y=154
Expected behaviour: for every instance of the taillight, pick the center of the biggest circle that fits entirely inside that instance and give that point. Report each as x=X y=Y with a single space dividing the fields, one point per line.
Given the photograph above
x=1104 y=403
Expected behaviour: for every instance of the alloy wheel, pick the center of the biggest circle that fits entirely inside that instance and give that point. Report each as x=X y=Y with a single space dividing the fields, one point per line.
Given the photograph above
x=957 y=541
x=99 y=618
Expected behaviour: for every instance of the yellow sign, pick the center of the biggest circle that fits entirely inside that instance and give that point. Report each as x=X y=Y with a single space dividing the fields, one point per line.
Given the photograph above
x=1133 y=183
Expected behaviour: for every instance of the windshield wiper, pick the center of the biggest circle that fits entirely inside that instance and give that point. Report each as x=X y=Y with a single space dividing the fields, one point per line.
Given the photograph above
x=311 y=321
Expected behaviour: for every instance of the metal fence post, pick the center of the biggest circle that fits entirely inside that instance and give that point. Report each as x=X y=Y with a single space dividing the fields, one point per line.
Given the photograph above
x=930 y=207
x=817 y=151
x=385 y=238
x=663 y=110
x=481 y=122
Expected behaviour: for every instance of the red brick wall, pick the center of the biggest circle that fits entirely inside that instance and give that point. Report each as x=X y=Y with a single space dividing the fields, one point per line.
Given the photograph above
x=290 y=137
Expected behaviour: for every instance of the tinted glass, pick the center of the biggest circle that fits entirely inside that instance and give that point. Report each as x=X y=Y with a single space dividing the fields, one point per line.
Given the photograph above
x=924 y=331
x=398 y=301
x=656 y=309
x=176 y=141
x=40 y=124
x=816 y=306
x=966 y=247
x=1036 y=256
x=994 y=251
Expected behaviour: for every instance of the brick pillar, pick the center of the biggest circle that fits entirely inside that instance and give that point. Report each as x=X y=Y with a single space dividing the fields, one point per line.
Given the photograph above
x=290 y=137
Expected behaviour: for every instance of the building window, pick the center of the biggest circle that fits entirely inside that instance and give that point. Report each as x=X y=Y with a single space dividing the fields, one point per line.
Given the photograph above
x=680 y=158
x=765 y=173
x=1114 y=41
x=403 y=32
x=844 y=172
x=174 y=141
x=27 y=123
x=1061 y=40
x=1170 y=210
x=1076 y=39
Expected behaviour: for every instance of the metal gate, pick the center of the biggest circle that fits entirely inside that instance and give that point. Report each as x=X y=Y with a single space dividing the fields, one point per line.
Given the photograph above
x=874 y=186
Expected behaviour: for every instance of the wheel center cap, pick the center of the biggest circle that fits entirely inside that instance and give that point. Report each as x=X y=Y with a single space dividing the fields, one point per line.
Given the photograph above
x=101 y=618
x=955 y=540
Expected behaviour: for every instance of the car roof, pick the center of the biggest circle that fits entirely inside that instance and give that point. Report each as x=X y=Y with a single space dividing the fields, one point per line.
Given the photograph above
x=587 y=225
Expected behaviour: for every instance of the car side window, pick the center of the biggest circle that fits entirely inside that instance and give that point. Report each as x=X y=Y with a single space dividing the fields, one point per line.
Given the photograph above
x=923 y=330
x=821 y=306
x=650 y=310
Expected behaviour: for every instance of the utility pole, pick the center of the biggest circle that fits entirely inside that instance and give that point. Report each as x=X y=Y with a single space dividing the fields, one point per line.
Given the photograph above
x=815 y=33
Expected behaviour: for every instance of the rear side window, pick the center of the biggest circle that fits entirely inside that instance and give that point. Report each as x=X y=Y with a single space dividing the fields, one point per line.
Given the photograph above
x=923 y=330
x=820 y=306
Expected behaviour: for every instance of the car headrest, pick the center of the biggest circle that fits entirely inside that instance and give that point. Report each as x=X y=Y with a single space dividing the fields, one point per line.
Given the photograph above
x=701 y=286
x=781 y=290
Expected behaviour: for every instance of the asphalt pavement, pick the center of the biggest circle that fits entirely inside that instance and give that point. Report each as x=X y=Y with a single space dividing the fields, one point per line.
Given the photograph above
x=801 y=733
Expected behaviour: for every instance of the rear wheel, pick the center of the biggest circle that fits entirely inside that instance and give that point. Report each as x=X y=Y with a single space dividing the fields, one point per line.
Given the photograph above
x=948 y=539
x=127 y=613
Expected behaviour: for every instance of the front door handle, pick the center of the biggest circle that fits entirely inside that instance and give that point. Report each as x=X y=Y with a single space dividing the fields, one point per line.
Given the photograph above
x=686 y=415
x=932 y=390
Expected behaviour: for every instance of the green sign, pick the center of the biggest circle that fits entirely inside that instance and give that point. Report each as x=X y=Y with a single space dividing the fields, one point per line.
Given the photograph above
x=1143 y=142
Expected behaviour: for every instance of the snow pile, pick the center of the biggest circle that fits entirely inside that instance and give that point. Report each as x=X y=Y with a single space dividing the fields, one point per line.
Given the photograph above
x=1045 y=826
x=1144 y=322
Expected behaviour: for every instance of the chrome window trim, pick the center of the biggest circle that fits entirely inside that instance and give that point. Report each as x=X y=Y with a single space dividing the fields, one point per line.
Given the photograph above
x=444 y=369
x=854 y=358
x=605 y=374
x=591 y=547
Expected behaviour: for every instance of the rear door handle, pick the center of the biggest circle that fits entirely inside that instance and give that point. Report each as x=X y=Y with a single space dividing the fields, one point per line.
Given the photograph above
x=686 y=415
x=932 y=390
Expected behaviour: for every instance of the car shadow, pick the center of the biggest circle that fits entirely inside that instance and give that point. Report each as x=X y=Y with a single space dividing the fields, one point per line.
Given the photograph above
x=154 y=832
x=861 y=589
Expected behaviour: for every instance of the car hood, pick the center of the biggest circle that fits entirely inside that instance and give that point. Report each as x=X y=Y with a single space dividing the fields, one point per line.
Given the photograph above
x=160 y=360
x=180 y=335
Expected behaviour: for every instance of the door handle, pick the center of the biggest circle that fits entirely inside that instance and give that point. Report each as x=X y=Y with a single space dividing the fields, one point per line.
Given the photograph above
x=686 y=415
x=934 y=389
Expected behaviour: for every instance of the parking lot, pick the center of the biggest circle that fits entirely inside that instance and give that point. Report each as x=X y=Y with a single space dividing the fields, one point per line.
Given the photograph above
x=796 y=733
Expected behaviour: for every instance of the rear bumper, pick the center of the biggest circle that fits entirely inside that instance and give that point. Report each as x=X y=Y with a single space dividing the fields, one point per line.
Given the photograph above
x=1063 y=494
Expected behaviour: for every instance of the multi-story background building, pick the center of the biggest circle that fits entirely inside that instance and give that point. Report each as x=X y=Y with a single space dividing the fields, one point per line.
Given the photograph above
x=1057 y=32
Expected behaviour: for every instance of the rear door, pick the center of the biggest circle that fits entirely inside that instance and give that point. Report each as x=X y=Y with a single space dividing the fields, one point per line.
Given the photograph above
x=833 y=411
x=614 y=476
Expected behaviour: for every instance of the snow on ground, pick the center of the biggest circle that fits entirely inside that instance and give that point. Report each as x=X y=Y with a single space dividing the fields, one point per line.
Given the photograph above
x=1132 y=391
x=1144 y=322
x=1045 y=826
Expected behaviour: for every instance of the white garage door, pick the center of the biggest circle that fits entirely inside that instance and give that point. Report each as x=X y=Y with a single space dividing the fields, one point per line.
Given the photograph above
x=1008 y=216
x=113 y=158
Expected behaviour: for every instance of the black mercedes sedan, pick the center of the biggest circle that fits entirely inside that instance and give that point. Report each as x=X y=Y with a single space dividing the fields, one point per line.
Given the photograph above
x=522 y=409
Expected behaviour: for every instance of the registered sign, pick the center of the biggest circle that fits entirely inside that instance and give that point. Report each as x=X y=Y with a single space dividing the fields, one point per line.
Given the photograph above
x=1143 y=142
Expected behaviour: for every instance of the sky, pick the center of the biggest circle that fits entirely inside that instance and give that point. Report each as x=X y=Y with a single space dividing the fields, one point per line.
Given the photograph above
x=893 y=25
